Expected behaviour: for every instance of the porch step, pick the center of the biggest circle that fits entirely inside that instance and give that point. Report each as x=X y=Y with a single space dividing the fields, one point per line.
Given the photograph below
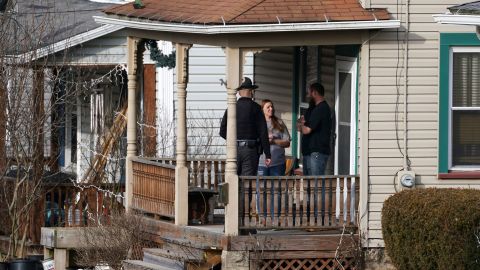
x=170 y=263
x=142 y=265
x=170 y=241
x=178 y=254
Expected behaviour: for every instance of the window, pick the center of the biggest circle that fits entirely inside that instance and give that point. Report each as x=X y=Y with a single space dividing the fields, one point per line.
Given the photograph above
x=465 y=108
x=459 y=137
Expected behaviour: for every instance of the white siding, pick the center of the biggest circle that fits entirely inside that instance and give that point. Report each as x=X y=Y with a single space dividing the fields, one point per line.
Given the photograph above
x=110 y=49
x=386 y=67
x=273 y=75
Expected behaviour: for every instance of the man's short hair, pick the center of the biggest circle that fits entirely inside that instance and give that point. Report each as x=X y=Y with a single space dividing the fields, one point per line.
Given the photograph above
x=317 y=88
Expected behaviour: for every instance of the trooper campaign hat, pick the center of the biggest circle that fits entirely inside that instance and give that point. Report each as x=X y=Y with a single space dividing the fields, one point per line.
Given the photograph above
x=247 y=84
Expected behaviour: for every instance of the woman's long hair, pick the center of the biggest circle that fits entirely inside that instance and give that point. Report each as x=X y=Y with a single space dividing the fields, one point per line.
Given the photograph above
x=276 y=123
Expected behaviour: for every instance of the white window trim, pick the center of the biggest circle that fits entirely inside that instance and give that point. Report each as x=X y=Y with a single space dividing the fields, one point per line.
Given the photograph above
x=457 y=49
x=339 y=67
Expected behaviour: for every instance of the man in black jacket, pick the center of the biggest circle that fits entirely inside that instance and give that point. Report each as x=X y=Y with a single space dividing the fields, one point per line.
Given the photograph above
x=318 y=128
x=252 y=133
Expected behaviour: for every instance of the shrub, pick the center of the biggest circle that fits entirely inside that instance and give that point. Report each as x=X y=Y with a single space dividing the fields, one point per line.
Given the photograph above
x=433 y=229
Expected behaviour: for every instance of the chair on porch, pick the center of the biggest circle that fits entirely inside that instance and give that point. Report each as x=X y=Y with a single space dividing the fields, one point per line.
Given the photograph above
x=290 y=164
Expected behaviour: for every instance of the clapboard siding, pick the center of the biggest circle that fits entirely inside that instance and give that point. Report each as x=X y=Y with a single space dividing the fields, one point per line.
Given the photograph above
x=385 y=158
x=273 y=74
x=109 y=49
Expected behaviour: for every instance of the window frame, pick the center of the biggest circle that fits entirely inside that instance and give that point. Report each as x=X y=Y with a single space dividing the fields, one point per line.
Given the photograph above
x=451 y=43
x=457 y=49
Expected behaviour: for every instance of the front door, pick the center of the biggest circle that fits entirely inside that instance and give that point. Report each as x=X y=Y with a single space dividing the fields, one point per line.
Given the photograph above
x=345 y=116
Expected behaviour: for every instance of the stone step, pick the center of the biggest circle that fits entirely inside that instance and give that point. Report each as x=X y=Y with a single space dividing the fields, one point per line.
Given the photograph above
x=142 y=265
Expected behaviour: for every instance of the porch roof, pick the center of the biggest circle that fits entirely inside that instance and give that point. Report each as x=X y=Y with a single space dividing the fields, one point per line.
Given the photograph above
x=247 y=16
x=213 y=12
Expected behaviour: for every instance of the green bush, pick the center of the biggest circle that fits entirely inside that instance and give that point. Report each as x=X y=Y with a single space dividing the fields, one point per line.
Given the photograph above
x=433 y=229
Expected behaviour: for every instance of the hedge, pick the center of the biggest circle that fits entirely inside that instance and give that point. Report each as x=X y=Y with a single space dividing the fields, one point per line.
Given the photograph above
x=433 y=229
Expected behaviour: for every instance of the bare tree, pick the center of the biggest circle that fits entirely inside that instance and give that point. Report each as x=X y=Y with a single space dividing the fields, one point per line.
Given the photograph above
x=35 y=88
x=109 y=244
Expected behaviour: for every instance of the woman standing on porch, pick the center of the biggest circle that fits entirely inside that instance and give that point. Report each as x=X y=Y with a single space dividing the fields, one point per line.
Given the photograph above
x=279 y=139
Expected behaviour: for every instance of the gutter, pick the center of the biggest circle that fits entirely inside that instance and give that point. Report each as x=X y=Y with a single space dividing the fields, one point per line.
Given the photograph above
x=67 y=43
x=247 y=28
x=457 y=19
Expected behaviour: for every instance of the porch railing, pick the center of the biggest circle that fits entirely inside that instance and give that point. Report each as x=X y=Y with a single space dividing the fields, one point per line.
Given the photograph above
x=153 y=187
x=203 y=173
x=298 y=202
x=154 y=182
x=61 y=204
x=79 y=205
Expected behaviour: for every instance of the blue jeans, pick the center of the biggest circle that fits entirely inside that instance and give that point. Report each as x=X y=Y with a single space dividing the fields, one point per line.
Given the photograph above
x=278 y=170
x=318 y=163
x=306 y=165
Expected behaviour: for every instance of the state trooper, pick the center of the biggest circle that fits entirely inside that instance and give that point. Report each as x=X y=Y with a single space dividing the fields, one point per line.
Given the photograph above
x=252 y=133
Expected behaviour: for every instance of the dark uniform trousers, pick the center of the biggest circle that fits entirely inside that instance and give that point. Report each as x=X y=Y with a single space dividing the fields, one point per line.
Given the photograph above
x=247 y=158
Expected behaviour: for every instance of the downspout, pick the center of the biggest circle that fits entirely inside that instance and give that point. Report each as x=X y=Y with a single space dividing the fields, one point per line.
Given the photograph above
x=406 y=165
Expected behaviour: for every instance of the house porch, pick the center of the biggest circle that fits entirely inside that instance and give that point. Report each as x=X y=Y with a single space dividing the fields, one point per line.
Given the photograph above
x=283 y=221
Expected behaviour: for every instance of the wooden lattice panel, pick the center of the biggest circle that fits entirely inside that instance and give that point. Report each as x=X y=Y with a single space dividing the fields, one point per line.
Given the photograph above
x=303 y=264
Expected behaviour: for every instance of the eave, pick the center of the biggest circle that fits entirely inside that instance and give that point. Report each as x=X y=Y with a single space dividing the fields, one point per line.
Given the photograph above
x=457 y=19
x=460 y=20
x=66 y=43
x=247 y=28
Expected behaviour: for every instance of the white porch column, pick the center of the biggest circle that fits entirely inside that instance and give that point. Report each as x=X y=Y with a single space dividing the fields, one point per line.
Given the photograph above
x=131 y=118
x=234 y=67
x=181 y=170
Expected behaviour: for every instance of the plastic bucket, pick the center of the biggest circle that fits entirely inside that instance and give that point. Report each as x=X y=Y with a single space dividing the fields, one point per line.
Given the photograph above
x=23 y=265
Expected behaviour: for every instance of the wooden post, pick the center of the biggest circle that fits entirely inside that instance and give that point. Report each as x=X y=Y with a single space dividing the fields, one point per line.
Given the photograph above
x=60 y=255
x=234 y=63
x=181 y=170
x=150 y=133
x=131 y=119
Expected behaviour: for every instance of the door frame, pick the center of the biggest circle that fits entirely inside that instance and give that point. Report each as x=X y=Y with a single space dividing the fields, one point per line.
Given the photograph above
x=347 y=64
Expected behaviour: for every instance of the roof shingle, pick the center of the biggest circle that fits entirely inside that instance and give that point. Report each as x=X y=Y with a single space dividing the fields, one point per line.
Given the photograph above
x=212 y=12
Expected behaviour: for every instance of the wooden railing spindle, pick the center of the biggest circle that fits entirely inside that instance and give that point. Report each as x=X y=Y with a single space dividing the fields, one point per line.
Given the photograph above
x=279 y=203
x=308 y=200
x=352 y=201
x=330 y=202
x=250 y=197
x=272 y=201
x=286 y=207
x=337 y=201
x=323 y=201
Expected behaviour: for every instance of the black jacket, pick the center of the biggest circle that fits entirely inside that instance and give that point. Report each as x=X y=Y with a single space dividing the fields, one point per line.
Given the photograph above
x=251 y=124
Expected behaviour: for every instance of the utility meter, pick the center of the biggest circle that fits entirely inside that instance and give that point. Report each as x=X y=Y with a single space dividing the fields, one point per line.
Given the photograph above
x=406 y=179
